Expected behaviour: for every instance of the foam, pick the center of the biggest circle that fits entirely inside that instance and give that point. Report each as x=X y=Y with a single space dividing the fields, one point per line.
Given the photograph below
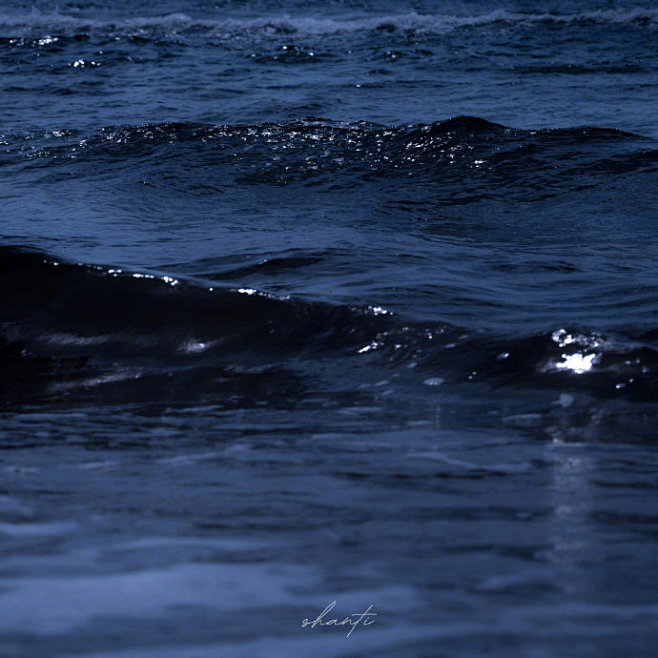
x=179 y=23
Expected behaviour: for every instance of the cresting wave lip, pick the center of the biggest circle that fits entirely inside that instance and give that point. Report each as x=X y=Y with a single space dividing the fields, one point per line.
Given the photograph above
x=63 y=322
x=179 y=23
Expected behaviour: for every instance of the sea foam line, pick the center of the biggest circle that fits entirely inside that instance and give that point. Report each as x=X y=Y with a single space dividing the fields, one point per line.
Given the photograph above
x=22 y=25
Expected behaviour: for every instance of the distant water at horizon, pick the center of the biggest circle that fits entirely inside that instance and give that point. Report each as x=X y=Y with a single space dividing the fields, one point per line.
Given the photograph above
x=305 y=302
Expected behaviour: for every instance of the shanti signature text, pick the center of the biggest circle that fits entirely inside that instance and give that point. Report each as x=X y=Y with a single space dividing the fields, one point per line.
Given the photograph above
x=366 y=618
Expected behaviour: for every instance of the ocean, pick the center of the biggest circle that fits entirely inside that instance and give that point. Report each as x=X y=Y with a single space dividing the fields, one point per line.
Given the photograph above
x=328 y=329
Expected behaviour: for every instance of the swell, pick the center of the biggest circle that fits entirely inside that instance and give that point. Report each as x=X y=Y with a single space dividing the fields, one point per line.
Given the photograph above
x=36 y=24
x=482 y=156
x=65 y=308
x=67 y=329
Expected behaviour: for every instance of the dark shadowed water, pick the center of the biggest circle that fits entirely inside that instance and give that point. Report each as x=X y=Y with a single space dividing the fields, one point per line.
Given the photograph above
x=350 y=301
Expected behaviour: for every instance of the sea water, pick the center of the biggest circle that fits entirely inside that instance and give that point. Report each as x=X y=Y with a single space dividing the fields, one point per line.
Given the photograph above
x=351 y=301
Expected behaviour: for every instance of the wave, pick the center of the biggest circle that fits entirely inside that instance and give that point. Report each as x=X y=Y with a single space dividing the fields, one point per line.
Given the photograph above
x=81 y=329
x=180 y=24
x=469 y=158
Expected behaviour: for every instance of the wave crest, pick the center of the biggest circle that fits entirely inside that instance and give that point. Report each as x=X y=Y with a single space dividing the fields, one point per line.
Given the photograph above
x=464 y=151
x=182 y=24
x=65 y=323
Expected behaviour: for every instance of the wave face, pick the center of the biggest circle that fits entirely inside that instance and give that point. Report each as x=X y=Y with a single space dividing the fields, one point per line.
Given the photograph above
x=465 y=159
x=74 y=333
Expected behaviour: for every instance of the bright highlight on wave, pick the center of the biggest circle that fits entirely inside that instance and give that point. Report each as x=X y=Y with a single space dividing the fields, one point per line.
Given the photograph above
x=578 y=363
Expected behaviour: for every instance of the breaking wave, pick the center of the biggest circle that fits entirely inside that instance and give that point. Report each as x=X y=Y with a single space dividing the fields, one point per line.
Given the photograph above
x=25 y=25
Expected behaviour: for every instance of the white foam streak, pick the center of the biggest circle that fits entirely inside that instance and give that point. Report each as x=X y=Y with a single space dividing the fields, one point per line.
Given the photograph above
x=23 y=25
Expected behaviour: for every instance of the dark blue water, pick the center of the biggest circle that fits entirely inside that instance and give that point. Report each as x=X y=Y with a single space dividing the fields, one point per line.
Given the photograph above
x=305 y=302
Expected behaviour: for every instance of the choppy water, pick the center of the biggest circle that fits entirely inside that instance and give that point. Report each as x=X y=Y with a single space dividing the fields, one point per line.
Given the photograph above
x=350 y=301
